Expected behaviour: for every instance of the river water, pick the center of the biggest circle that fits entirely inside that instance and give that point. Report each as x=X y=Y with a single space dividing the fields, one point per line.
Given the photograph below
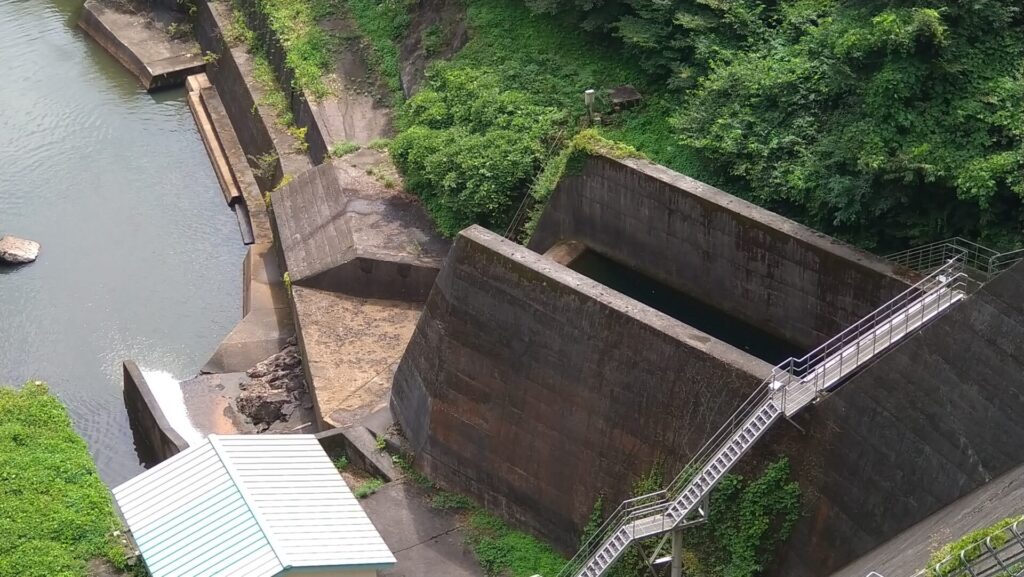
x=140 y=257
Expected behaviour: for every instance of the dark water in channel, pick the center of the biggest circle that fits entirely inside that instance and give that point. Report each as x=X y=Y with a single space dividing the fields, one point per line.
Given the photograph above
x=685 y=308
x=140 y=258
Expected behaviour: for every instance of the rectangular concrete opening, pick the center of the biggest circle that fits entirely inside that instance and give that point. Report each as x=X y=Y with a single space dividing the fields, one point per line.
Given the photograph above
x=684 y=308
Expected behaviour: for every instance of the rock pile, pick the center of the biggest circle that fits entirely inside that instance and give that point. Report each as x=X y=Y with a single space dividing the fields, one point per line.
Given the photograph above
x=276 y=392
x=14 y=250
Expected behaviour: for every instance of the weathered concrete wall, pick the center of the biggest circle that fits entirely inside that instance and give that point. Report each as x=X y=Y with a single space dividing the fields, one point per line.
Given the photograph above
x=155 y=438
x=534 y=389
x=240 y=96
x=341 y=230
x=300 y=105
x=928 y=423
x=146 y=50
x=749 y=262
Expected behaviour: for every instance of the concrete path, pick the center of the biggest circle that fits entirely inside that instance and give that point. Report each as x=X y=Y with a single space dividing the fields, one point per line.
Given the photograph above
x=908 y=552
x=427 y=542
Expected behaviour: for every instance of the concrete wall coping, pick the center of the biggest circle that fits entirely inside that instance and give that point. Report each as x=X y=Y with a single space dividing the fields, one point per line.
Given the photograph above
x=615 y=300
x=132 y=370
x=766 y=217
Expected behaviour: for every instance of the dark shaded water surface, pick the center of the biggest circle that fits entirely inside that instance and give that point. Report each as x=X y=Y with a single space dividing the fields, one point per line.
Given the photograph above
x=140 y=259
x=685 y=308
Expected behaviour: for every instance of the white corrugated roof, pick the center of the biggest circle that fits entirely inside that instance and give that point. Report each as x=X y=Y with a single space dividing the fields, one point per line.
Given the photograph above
x=248 y=505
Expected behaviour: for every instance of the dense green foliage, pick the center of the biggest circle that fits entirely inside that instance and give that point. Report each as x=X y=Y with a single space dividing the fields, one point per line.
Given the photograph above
x=971 y=547
x=882 y=122
x=877 y=121
x=747 y=522
x=474 y=138
x=55 y=513
x=467 y=143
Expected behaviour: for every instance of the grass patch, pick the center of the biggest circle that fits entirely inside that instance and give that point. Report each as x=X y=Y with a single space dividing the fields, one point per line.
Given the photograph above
x=307 y=47
x=273 y=96
x=502 y=551
x=383 y=23
x=648 y=129
x=341 y=463
x=339 y=149
x=499 y=549
x=367 y=488
x=55 y=513
x=450 y=501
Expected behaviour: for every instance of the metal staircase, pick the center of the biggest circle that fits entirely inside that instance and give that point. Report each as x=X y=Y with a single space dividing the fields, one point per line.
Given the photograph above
x=791 y=386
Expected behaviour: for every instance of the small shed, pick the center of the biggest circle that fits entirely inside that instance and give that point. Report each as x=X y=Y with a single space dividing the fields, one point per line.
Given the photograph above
x=250 y=506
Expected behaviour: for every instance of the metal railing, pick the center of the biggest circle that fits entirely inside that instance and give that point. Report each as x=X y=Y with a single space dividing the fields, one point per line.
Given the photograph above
x=979 y=258
x=826 y=366
x=1001 y=554
x=789 y=378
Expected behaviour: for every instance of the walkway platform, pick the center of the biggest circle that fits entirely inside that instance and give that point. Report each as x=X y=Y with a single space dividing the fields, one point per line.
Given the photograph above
x=143 y=42
x=908 y=552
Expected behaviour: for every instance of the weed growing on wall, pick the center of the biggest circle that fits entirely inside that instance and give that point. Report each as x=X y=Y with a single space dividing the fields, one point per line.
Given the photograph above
x=971 y=547
x=367 y=488
x=307 y=47
x=339 y=149
x=748 y=520
x=383 y=24
x=570 y=161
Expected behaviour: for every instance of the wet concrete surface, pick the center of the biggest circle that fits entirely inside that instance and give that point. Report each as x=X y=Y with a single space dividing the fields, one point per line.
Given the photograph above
x=426 y=542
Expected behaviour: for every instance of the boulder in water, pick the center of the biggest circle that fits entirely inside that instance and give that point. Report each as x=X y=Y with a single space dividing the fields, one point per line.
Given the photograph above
x=14 y=250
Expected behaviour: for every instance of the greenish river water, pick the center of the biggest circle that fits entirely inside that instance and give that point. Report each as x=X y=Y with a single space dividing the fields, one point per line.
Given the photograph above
x=140 y=257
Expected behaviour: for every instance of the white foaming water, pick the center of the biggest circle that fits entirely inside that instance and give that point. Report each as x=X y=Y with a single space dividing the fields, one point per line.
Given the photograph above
x=167 y=391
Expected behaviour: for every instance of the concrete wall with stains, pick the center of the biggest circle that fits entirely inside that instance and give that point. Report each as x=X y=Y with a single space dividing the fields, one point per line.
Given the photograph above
x=928 y=423
x=769 y=271
x=533 y=389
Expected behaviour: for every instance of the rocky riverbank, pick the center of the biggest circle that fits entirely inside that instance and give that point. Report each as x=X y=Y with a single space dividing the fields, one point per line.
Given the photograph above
x=275 y=399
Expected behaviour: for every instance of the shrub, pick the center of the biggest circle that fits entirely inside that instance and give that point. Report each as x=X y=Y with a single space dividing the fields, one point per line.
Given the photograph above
x=470 y=148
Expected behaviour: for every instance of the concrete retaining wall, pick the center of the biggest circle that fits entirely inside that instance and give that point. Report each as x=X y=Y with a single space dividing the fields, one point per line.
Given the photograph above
x=274 y=50
x=238 y=101
x=534 y=389
x=933 y=420
x=751 y=263
x=155 y=438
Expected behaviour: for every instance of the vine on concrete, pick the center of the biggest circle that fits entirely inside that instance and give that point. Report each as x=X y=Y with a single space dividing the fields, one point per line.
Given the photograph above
x=747 y=522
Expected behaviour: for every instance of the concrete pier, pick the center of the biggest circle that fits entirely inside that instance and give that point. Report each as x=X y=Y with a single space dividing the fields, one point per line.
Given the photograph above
x=142 y=41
